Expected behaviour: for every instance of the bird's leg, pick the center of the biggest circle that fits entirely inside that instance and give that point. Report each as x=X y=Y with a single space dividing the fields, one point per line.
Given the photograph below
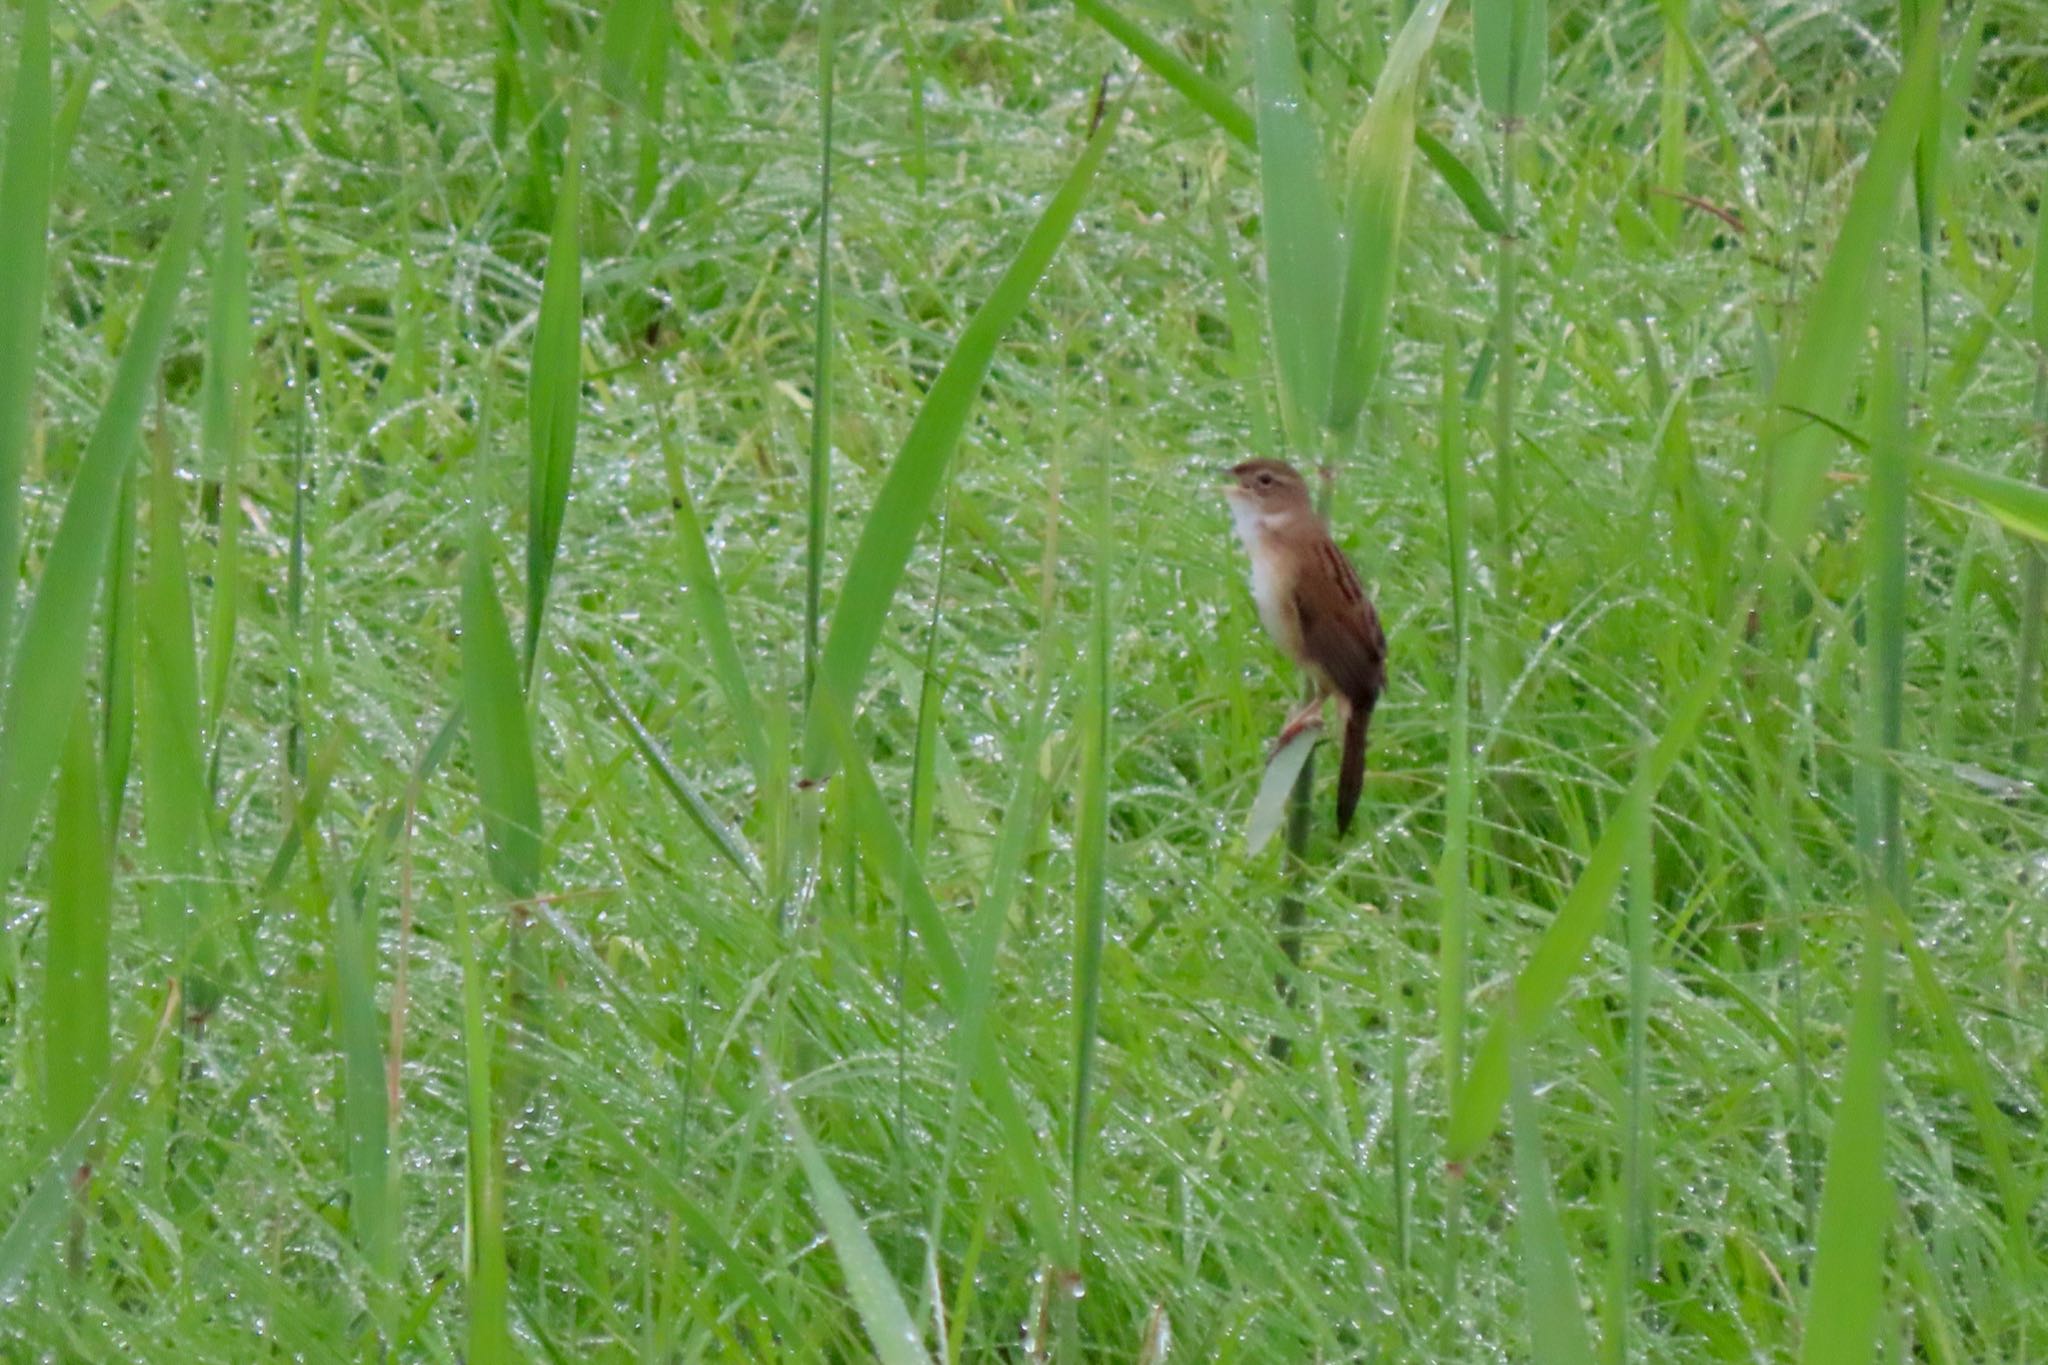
x=1309 y=717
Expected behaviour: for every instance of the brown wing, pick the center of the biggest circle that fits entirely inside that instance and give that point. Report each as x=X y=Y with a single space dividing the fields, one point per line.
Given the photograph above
x=1340 y=631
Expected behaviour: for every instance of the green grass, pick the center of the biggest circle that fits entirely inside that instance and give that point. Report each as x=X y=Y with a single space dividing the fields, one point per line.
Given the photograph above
x=434 y=953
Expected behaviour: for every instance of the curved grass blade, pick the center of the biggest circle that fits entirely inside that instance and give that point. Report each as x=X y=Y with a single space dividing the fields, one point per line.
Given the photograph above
x=500 y=745
x=1561 y=951
x=722 y=836
x=50 y=667
x=2016 y=504
x=1269 y=806
x=875 y=1296
x=24 y=258
x=705 y=599
x=1205 y=94
x=1379 y=167
x=1460 y=180
x=1817 y=377
x=553 y=393
x=1298 y=225
x=914 y=477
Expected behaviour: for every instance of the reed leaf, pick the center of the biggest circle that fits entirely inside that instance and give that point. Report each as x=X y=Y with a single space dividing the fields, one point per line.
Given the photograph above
x=1510 y=51
x=77 y=1016
x=914 y=477
x=1297 y=225
x=500 y=746
x=554 y=393
x=225 y=428
x=25 y=173
x=875 y=1296
x=819 y=506
x=1379 y=166
x=49 y=668
x=2016 y=504
x=1551 y=1288
x=1091 y=848
x=1817 y=377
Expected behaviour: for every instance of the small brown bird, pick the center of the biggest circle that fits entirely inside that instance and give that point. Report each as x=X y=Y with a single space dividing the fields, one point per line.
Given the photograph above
x=1312 y=605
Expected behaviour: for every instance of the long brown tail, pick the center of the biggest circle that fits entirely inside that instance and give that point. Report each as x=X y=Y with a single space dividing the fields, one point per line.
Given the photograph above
x=1351 y=771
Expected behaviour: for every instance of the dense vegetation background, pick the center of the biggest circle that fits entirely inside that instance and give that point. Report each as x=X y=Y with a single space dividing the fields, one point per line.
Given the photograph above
x=470 y=487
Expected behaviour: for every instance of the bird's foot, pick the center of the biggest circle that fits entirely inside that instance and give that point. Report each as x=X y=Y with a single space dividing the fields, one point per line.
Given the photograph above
x=1308 y=718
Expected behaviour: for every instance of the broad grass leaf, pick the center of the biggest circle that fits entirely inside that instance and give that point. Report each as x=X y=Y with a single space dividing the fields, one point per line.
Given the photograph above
x=225 y=421
x=77 y=1016
x=25 y=175
x=1269 y=807
x=553 y=395
x=49 y=667
x=1510 y=50
x=500 y=745
x=2018 y=505
x=1550 y=1287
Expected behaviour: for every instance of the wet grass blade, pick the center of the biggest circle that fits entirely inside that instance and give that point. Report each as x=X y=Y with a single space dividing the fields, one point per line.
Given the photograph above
x=25 y=175
x=1378 y=170
x=1817 y=377
x=1510 y=50
x=1561 y=951
x=1298 y=225
x=1205 y=94
x=1091 y=850
x=1551 y=1288
x=500 y=744
x=2034 y=573
x=905 y=500
x=722 y=836
x=489 y=1338
x=77 y=1017
x=177 y=829
x=50 y=666
x=1453 y=871
x=365 y=1101
x=1460 y=180
x=705 y=599
x=875 y=1296
x=1671 y=111
x=226 y=421
x=122 y=624
x=553 y=394
x=819 y=506
x=2016 y=504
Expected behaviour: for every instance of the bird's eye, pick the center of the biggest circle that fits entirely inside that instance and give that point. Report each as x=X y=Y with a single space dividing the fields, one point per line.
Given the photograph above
x=1265 y=480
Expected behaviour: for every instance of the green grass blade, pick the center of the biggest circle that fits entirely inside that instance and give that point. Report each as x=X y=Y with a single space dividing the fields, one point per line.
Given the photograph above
x=1550 y=1286
x=1510 y=51
x=2034 y=572
x=1298 y=225
x=77 y=1018
x=554 y=392
x=176 y=827
x=489 y=1338
x=820 y=505
x=2016 y=504
x=25 y=175
x=1379 y=167
x=49 y=668
x=914 y=477
x=875 y=1295
x=1460 y=180
x=1205 y=94
x=1091 y=849
x=722 y=836
x=1561 y=951
x=122 y=624
x=500 y=745
x=365 y=1101
x=1856 y=1195
x=705 y=599
x=1817 y=377
x=1453 y=871
x=1671 y=111
x=49 y=1177
x=226 y=422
